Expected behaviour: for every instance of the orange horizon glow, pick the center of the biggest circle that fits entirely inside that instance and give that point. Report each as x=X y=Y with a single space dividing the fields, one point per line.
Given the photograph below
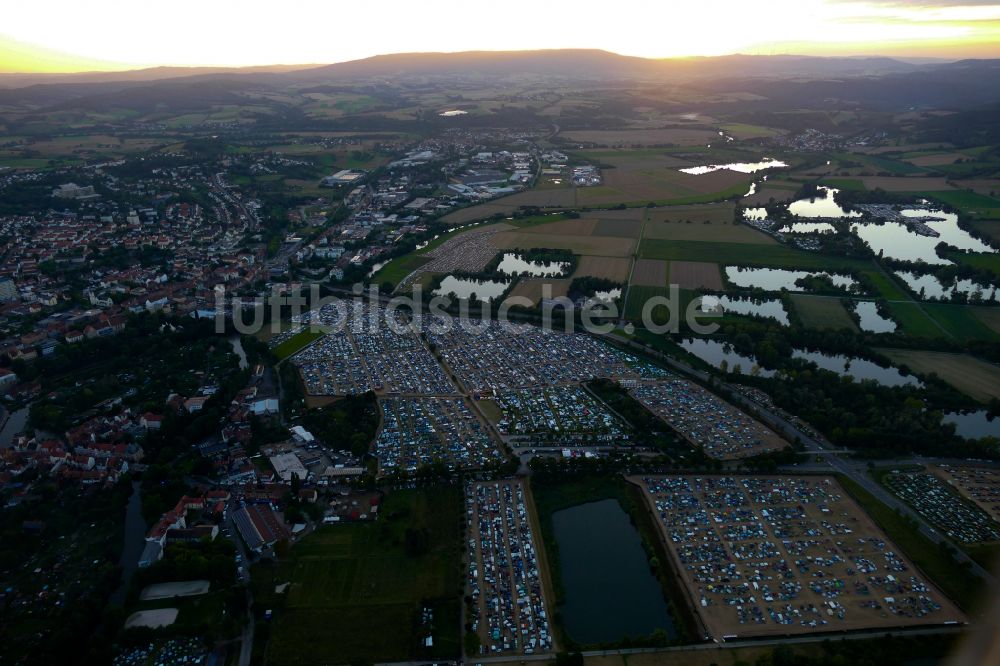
x=108 y=35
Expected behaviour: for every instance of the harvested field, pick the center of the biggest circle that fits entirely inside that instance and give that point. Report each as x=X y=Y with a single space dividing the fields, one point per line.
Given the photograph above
x=936 y=159
x=822 y=312
x=717 y=233
x=609 y=268
x=602 y=246
x=644 y=175
x=618 y=228
x=579 y=227
x=534 y=289
x=550 y=198
x=644 y=137
x=765 y=194
x=989 y=187
x=184 y=588
x=717 y=213
x=900 y=184
x=477 y=213
x=989 y=316
x=650 y=273
x=695 y=275
x=833 y=568
x=626 y=214
x=154 y=619
x=977 y=379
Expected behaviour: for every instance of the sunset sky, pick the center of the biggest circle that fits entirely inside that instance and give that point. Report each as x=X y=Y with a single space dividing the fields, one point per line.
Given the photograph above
x=63 y=35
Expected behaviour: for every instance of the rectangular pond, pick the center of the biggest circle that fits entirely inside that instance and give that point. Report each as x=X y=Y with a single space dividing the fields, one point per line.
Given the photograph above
x=610 y=591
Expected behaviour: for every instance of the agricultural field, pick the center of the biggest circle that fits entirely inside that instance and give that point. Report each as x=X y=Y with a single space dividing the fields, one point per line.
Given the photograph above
x=960 y=321
x=650 y=273
x=977 y=379
x=822 y=312
x=602 y=246
x=723 y=528
x=901 y=184
x=363 y=586
x=695 y=275
x=914 y=321
x=622 y=228
x=643 y=176
x=609 y=268
x=679 y=136
x=991 y=228
x=745 y=254
x=714 y=213
x=720 y=233
x=534 y=289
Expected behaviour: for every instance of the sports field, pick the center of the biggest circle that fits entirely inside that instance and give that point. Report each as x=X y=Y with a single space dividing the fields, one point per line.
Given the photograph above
x=361 y=586
x=822 y=312
x=977 y=379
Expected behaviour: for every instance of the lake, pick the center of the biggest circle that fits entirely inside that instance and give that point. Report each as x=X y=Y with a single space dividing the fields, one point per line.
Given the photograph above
x=822 y=205
x=858 y=368
x=769 y=309
x=973 y=425
x=513 y=264
x=933 y=289
x=871 y=320
x=714 y=353
x=464 y=288
x=897 y=241
x=741 y=167
x=776 y=279
x=610 y=591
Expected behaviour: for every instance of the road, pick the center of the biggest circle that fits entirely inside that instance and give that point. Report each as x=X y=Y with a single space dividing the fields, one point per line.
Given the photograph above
x=728 y=645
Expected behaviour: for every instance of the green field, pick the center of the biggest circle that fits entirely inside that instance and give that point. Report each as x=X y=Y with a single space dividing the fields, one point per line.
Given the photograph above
x=960 y=321
x=357 y=589
x=980 y=260
x=881 y=163
x=913 y=321
x=295 y=343
x=822 y=312
x=399 y=268
x=886 y=286
x=968 y=202
x=976 y=378
x=845 y=183
x=778 y=256
x=961 y=586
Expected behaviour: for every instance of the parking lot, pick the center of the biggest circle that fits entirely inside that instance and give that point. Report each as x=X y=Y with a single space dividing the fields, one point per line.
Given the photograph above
x=979 y=484
x=354 y=360
x=505 y=357
x=706 y=420
x=943 y=507
x=785 y=555
x=420 y=431
x=557 y=416
x=508 y=609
